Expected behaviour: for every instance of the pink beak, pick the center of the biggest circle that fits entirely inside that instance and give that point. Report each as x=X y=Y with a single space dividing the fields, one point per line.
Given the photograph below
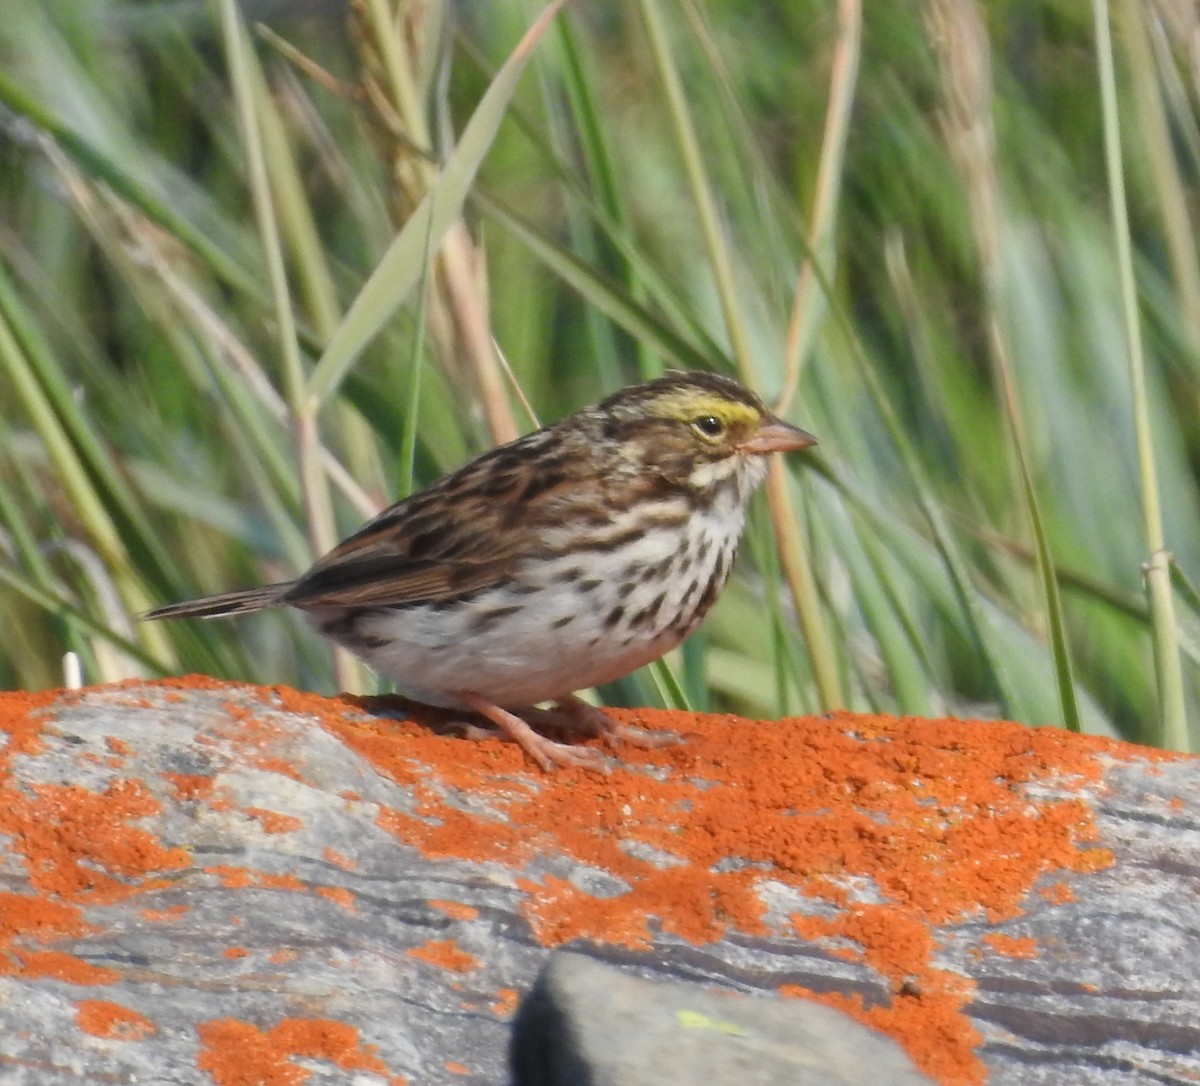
x=775 y=435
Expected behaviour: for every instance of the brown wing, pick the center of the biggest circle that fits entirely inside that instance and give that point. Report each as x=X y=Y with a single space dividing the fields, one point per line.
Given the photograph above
x=465 y=533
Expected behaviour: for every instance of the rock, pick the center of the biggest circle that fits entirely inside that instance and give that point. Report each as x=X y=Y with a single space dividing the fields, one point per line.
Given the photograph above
x=588 y=1024
x=206 y=883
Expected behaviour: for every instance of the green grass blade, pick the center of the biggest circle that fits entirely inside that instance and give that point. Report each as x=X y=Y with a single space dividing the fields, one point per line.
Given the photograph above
x=98 y=165
x=1167 y=665
x=609 y=297
x=401 y=267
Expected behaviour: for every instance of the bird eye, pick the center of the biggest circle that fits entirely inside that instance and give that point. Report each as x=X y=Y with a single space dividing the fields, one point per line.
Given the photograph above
x=709 y=425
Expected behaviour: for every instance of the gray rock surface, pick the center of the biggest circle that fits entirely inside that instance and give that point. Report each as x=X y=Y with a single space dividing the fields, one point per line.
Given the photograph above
x=589 y=1024
x=207 y=885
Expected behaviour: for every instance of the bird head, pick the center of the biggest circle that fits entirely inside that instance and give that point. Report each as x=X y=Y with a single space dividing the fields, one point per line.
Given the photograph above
x=698 y=430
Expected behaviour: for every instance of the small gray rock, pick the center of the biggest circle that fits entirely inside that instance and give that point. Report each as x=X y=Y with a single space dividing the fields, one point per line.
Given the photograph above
x=590 y=1024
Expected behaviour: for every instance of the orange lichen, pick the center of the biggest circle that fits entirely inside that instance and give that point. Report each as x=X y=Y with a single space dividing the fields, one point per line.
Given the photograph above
x=64 y=967
x=445 y=954
x=1057 y=893
x=273 y=821
x=190 y=786
x=21 y=721
x=232 y=878
x=103 y=1019
x=337 y=859
x=260 y=740
x=458 y=910
x=339 y=895
x=506 y=1002
x=239 y=878
x=78 y=847
x=1012 y=946
x=38 y=920
x=235 y=952
x=929 y=1023
x=162 y=916
x=78 y=842
x=236 y=1053
x=445 y=836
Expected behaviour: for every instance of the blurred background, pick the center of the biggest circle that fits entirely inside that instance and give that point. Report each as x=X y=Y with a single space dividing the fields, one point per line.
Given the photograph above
x=267 y=267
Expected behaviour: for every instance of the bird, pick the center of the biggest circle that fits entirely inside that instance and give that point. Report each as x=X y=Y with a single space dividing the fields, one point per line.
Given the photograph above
x=556 y=562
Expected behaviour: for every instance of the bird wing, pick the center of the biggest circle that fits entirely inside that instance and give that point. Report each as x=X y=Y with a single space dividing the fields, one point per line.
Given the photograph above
x=464 y=534
x=380 y=579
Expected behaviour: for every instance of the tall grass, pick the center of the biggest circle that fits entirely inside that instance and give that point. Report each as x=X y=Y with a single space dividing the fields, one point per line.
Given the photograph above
x=263 y=270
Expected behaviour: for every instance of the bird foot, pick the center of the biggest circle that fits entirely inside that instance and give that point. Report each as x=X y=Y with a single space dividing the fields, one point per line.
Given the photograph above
x=545 y=752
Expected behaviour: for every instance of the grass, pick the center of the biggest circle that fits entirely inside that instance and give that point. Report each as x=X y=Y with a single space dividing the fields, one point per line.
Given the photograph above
x=263 y=272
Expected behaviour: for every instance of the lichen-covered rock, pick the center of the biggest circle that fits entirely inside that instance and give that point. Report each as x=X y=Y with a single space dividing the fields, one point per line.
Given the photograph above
x=218 y=884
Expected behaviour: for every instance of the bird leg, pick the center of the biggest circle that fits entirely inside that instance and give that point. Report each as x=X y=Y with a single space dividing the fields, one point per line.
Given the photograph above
x=545 y=752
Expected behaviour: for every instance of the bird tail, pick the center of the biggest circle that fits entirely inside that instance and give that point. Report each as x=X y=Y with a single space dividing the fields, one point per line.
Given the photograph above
x=242 y=602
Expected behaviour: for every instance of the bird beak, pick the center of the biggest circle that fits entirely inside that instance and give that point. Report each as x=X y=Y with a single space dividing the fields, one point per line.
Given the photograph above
x=775 y=435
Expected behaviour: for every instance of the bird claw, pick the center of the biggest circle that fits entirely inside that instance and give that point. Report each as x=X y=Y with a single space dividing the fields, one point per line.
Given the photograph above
x=595 y=722
x=567 y=754
x=570 y=713
x=644 y=738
